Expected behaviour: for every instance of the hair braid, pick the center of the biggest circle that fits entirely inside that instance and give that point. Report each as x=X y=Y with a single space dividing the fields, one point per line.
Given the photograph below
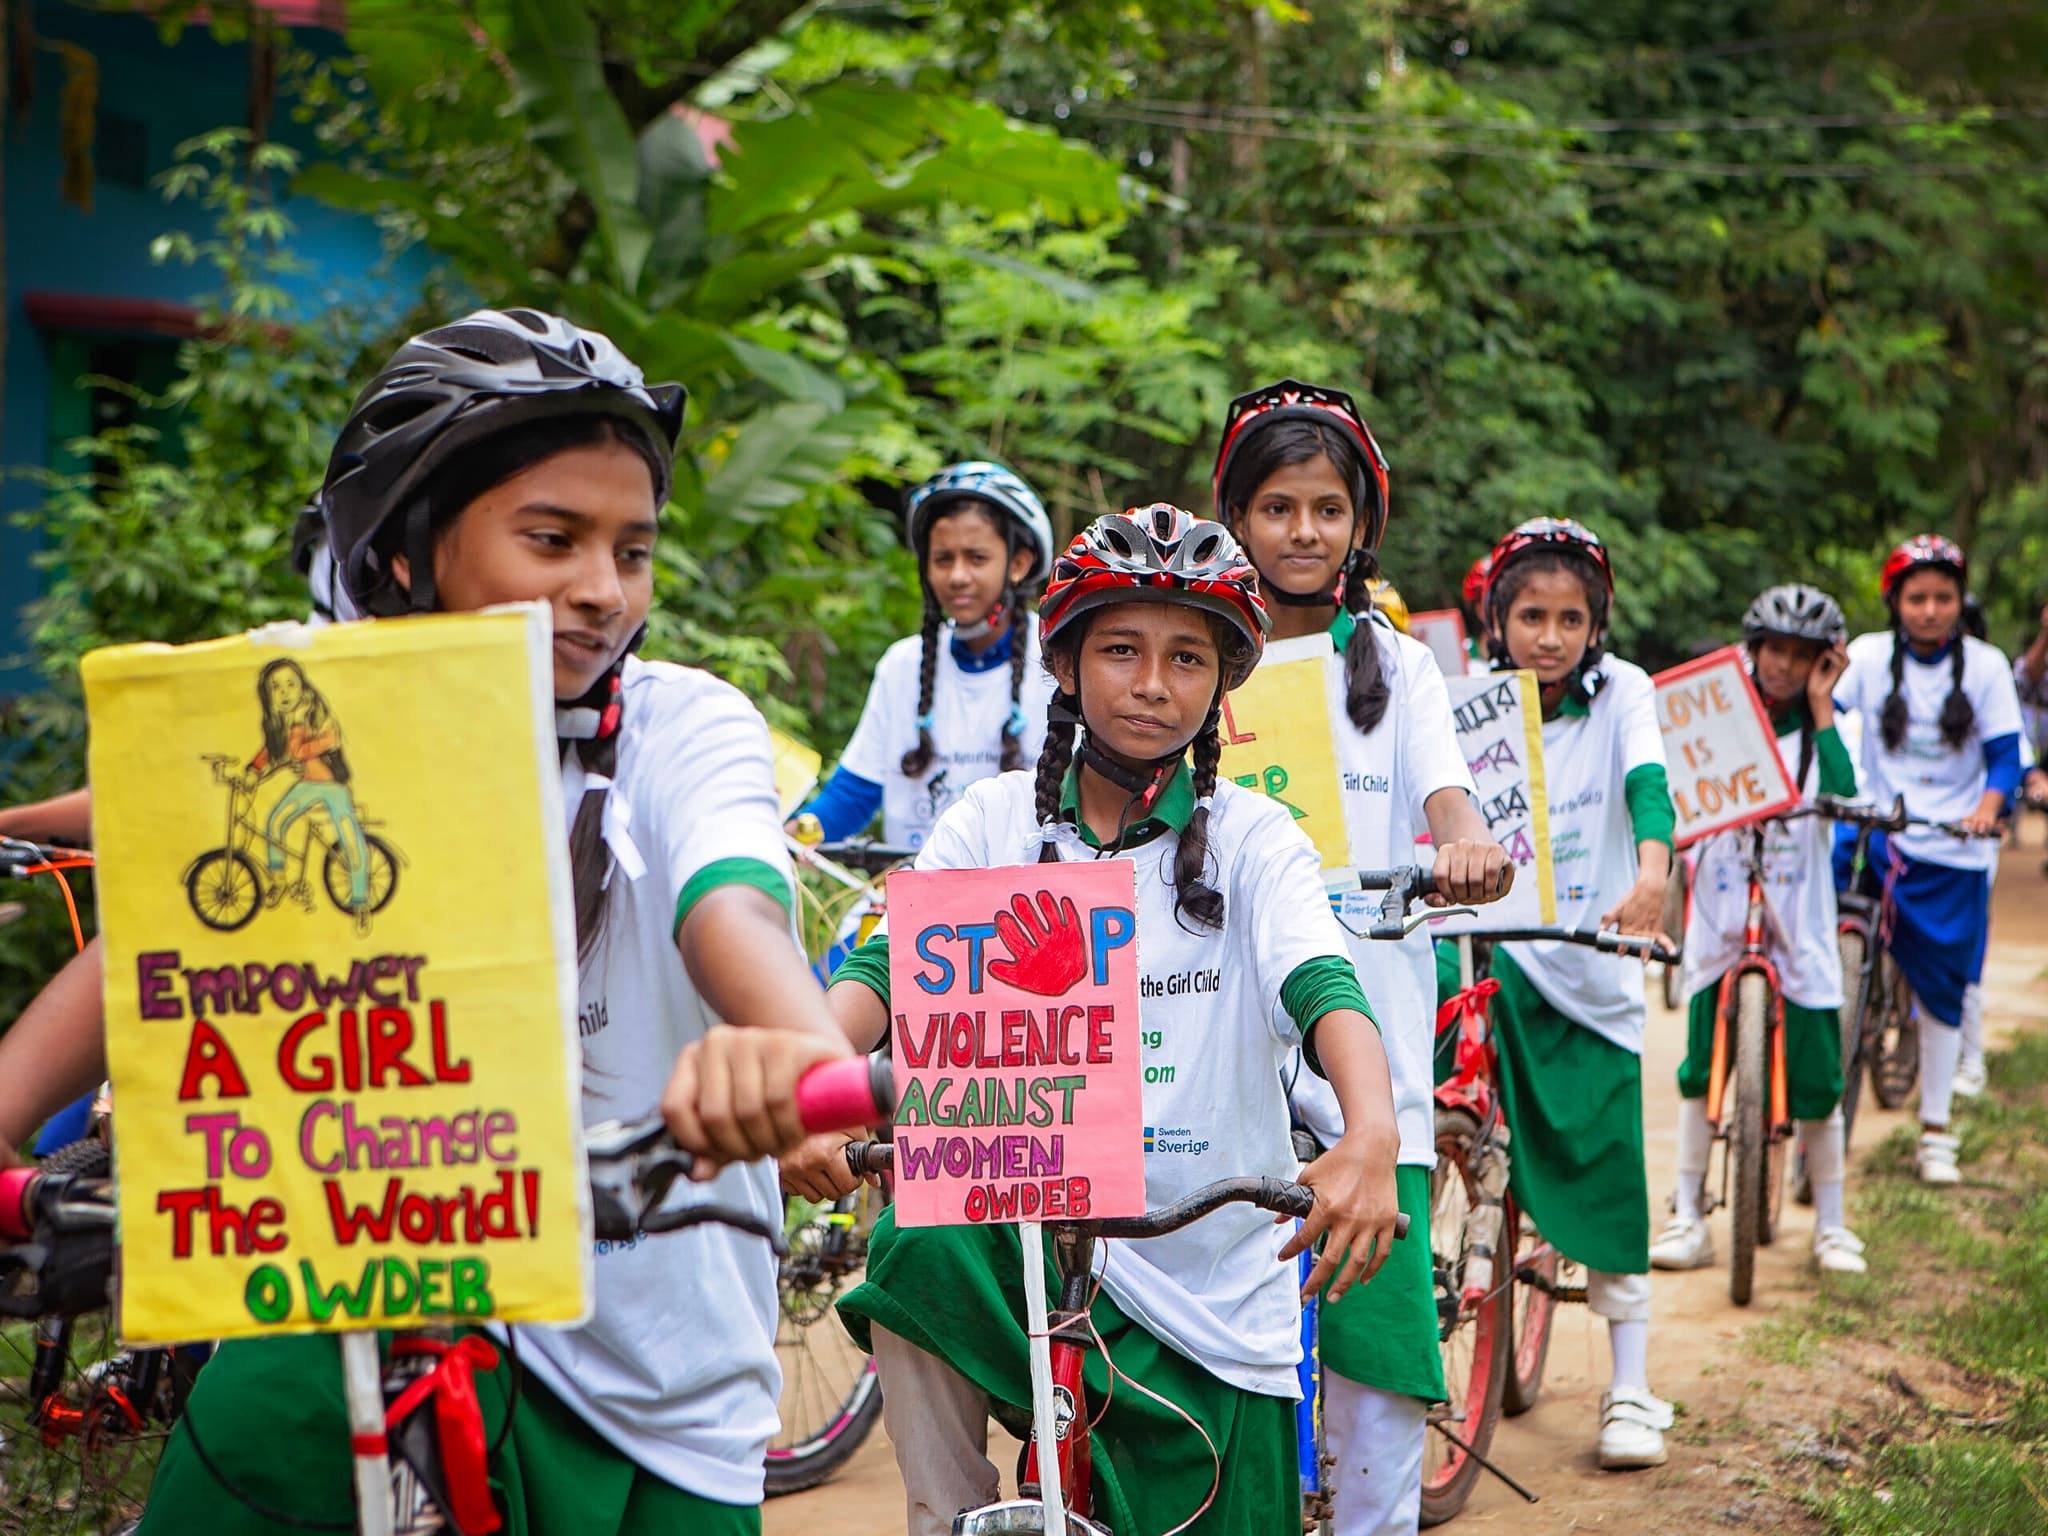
x=590 y=858
x=1054 y=758
x=1013 y=728
x=1366 y=694
x=1958 y=714
x=1193 y=898
x=1892 y=718
x=919 y=757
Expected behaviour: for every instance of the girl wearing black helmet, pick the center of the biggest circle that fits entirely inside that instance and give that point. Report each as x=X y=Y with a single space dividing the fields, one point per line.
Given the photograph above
x=1301 y=482
x=1794 y=635
x=965 y=696
x=1941 y=724
x=512 y=457
x=1150 y=618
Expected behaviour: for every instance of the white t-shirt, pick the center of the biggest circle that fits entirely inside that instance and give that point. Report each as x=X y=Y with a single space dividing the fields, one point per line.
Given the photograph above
x=1799 y=899
x=676 y=1367
x=1387 y=778
x=1215 y=1291
x=1586 y=761
x=1940 y=782
x=969 y=710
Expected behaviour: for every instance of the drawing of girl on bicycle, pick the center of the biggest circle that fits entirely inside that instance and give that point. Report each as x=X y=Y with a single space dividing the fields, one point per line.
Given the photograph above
x=301 y=734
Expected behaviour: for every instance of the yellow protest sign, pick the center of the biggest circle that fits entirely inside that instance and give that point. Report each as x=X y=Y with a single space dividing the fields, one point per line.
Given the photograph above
x=796 y=770
x=340 y=978
x=1276 y=741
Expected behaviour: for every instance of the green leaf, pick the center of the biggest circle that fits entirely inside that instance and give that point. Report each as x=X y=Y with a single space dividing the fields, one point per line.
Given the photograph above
x=552 y=49
x=674 y=176
x=779 y=456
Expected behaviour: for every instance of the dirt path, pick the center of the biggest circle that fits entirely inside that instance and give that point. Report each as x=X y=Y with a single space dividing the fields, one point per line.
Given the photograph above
x=1694 y=1355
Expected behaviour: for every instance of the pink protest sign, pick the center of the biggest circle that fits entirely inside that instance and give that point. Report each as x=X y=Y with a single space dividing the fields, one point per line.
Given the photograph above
x=1015 y=1001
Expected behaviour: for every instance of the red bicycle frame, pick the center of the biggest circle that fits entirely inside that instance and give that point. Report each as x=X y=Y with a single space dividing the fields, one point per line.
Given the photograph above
x=1753 y=961
x=1071 y=1342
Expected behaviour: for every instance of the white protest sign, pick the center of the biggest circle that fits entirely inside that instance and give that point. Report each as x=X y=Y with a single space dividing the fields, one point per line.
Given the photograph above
x=1443 y=631
x=1498 y=719
x=1719 y=747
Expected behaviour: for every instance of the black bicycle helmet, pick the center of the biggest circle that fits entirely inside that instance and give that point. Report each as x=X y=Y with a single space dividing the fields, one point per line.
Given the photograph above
x=1795 y=611
x=445 y=391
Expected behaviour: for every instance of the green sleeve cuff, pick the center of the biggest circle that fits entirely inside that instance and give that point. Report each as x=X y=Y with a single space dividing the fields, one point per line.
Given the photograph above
x=868 y=965
x=723 y=872
x=1318 y=987
x=1837 y=773
x=1647 y=791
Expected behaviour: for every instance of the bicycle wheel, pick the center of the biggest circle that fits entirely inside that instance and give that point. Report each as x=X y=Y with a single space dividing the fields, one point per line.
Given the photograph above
x=383 y=875
x=1746 y=1113
x=1475 y=1335
x=224 y=889
x=831 y=1396
x=1532 y=1303
x=1895 y=1047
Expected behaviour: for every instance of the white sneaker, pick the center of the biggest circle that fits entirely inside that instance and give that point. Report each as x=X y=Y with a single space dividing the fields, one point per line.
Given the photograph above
x=1683 y=1244
x=1839 y=1251
x=1969 y=1081
x=1632 y=1425
x=1936 y=1162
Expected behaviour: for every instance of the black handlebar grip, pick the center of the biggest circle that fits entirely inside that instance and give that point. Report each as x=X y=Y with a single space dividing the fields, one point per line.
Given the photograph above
x=866 y=1157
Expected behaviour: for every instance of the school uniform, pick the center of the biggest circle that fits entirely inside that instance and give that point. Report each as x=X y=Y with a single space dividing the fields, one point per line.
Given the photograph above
x=1207 y=1317
x=655 y=1415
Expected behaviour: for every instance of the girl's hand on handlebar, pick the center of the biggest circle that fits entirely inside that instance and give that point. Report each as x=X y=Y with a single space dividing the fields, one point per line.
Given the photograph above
x=817 y=1170
x=1470 y=873
x=1640 y=911
x=1356 y=1203
x=732 y=1096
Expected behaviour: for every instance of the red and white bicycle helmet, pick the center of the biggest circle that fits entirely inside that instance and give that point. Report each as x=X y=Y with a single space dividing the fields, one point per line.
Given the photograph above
x=1917 y=553
x=1163 y=554
x=1474 y=590
x=1561 y=533
x=1290 y=399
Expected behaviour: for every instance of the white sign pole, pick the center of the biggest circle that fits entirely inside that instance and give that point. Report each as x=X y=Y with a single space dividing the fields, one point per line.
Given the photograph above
x=1044 y=1420
x=362 y=1380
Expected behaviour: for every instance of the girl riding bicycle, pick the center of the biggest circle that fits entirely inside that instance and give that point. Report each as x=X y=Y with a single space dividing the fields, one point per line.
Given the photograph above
x=1150 y=618
x=965 y=697
x=1941 y=723
x=1794 y=635
x=1569 y=1021
x=301 y=735
x=1301 y=482
x=512 y=457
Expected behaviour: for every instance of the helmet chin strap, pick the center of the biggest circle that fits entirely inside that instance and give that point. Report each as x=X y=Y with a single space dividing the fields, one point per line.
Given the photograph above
x=983 y=627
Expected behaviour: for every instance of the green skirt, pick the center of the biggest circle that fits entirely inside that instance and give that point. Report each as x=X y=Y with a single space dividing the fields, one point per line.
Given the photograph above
x=958 y=1293
x=1813 y=1055
x=269 y=1415
x=1384 y=1333
x=1574 y=1105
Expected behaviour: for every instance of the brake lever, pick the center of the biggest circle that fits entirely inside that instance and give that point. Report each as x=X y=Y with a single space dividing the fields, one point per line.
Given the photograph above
x=1391 y=929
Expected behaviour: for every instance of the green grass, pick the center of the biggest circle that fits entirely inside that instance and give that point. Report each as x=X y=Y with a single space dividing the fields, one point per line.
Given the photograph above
x=1952 y=1483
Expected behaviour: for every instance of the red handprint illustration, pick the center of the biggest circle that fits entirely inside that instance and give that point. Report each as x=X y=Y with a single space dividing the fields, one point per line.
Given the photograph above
x=1048 y=953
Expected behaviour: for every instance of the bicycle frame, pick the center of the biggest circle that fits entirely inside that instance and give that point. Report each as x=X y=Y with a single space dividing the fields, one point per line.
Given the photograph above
x=1754 y=961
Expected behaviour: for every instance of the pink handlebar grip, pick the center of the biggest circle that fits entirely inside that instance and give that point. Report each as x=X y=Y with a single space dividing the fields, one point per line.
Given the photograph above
x=14 y=1190
x=840 y=1095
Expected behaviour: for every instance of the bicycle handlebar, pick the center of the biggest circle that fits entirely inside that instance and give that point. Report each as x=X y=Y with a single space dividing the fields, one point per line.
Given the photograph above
x=1281 y=1196
x=864 y=853
x=19 y=857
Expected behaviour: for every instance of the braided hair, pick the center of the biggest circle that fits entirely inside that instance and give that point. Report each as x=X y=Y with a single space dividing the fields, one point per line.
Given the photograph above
x=1293 y=441
x=1958 y=714
x=1194 y=898
x=919 y=758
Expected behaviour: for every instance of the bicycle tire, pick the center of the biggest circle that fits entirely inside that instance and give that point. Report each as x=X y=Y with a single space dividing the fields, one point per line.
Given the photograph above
x=232 y=897
x=1895 y=1053
x=1475 y=1380
x=1532 y=1305
x=1856 y=1002
x=1748 y=1132
x=383 y=880
x=826 y=1422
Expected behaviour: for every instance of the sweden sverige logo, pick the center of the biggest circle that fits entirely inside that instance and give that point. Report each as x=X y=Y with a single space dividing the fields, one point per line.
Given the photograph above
x=1148 y=1138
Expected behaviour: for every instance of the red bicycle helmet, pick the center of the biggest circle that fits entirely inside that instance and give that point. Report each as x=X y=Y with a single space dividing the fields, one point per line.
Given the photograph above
x=1292 y=399
x=1160 y=554
x=1474 y=590
x=1918 y=552
x=1547 y=533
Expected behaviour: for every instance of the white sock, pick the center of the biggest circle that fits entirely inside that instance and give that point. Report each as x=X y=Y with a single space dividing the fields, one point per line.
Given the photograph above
x=1940 y=1049
x=1372 y=1444
x=1630 y=1342
x=1973 y=1022
x=1821 y=1141
x=1695 y=1148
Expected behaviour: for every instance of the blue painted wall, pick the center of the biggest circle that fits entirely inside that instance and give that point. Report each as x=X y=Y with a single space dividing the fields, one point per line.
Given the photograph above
x=175 y=91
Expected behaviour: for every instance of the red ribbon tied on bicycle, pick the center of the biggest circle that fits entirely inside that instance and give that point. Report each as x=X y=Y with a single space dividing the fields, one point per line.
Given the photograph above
x=1465 y=1011
x=459 y=1425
